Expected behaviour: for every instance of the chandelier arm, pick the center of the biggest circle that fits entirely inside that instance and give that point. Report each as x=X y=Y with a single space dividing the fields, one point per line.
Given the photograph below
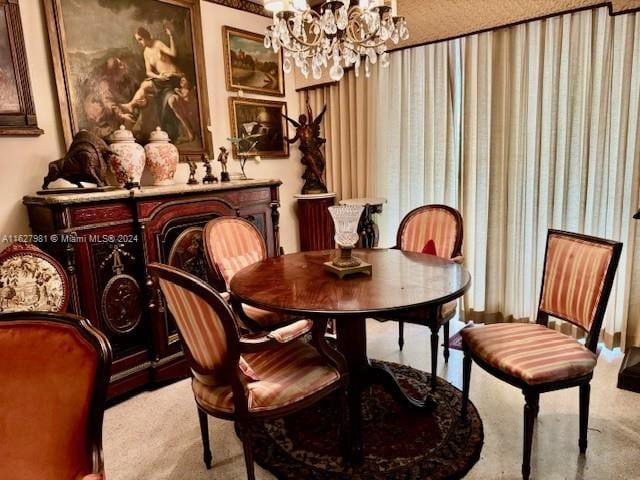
x=354 y=20
x=375 y=45
x=301 y=41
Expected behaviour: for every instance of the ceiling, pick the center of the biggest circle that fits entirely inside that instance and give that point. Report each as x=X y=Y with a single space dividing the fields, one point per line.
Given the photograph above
x=313 y=3
x=434 y=20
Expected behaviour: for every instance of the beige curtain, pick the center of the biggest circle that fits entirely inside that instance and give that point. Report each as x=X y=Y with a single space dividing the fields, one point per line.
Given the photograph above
x=377 y=128
x=416 y=150
x=523 y=129
x=550 y=140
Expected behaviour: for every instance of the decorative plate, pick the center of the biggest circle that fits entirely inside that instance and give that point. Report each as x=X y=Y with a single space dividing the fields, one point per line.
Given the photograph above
x=121 y=303
x=187 y=253
x=31 y=280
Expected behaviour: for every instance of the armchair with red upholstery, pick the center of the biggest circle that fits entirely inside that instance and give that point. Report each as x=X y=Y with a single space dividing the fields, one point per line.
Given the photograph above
x=54 y=371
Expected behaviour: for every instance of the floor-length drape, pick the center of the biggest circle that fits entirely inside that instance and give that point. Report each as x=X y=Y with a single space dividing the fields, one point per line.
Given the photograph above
x=417 y=118
x=523 y=129
x=550 y=140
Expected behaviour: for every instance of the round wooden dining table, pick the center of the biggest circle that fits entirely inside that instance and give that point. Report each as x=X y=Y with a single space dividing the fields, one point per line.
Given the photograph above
x=297 y=284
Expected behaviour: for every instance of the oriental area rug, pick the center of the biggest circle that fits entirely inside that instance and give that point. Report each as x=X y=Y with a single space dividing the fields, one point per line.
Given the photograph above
x=399 y=443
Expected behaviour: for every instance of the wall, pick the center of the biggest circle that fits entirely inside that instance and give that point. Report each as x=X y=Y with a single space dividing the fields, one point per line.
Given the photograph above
x=289 y=170
x=23 y=161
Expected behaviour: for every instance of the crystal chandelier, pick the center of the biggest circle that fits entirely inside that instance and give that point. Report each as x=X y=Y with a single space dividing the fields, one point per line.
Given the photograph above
x=339 y=34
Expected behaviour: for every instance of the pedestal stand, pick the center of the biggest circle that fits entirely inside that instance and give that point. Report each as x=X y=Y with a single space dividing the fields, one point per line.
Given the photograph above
x=315 y=223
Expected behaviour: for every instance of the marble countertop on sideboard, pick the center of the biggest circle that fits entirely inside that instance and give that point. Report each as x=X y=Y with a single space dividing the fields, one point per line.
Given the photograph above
x=144 y=191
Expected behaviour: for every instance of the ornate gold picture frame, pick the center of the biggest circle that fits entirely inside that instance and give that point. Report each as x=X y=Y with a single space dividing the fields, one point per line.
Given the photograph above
x=260 y=126
x=149 y=73
x=249 y=66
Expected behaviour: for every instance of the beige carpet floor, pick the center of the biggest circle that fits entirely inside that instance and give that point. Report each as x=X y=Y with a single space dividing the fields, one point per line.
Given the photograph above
x=155 y=435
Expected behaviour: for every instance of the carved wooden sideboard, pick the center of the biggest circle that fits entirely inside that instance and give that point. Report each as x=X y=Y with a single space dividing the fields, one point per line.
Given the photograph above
x=106 y=239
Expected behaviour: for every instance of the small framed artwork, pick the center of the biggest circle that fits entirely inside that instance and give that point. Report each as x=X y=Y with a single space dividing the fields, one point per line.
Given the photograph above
x=249 y=66
x=137 y=63
x=260 y=127
x=17 y=113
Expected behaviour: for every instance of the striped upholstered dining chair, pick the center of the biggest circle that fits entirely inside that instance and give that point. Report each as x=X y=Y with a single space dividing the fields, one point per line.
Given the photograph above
x=433 y=230
x=230 y=244
x=576 y=283
x=247 y=378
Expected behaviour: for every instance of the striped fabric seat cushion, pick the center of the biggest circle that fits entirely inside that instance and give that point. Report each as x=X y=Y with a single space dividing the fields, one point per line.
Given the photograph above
x=448 y=309
x=264 y=318
x=286 y=374
x=435 y=225
x=530 y=352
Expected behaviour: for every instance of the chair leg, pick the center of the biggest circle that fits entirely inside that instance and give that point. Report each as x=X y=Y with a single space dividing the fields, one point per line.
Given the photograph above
x=446 y=342
x=204 y=432
x=247 y=445
x=530 y=408
x=585 y=391
x=466 y=381
x=434 y=357
x=401 y=334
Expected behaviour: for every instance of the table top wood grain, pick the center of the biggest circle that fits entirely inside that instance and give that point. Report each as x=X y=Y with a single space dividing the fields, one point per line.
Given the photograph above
x=298 y=284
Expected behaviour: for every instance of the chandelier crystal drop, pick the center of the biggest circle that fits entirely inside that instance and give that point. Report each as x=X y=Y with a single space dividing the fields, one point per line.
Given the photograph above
x=337 y=36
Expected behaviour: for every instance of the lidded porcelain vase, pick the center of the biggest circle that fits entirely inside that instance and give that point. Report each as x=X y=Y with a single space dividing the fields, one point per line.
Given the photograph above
x=162 y=157
x=128 y=163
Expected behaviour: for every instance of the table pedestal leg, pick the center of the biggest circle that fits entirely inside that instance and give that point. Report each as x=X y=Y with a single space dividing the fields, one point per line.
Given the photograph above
x=352 y=343
x=383 y=376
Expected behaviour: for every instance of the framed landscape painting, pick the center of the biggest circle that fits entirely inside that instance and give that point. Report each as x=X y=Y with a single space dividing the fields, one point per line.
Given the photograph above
x=249 y=66
x=137 y=63
x=260 y=127
x=17 y=113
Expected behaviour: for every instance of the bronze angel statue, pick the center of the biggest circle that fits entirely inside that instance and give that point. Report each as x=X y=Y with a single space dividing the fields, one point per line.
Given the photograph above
x=308 y=132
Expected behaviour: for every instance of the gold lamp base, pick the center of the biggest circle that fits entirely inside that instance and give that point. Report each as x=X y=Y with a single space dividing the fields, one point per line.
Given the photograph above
x=341 y=272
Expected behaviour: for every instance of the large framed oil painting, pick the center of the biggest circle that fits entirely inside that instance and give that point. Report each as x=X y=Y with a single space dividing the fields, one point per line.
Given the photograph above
x=249 y=66
x=137 y=63
x=260 y=126
x=17 y=113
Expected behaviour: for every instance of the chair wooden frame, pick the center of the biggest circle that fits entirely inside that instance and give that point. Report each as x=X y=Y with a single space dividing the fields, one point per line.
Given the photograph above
x=432 y=319
x=103 y=368
x=233 y=376
x=532 y=392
